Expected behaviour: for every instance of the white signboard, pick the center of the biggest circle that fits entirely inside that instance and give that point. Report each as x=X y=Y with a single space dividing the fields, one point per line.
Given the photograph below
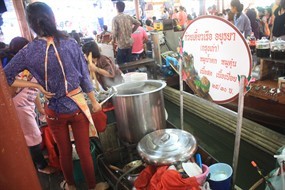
x=219 y=53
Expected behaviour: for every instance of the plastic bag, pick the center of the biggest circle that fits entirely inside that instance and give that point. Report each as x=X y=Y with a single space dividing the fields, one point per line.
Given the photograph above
x=277 y=176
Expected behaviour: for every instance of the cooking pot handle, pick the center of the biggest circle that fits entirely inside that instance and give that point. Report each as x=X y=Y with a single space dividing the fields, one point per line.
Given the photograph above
x=164 y=138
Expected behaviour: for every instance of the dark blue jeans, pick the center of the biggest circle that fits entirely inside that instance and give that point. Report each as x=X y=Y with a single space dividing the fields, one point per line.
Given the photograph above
x=124 y=55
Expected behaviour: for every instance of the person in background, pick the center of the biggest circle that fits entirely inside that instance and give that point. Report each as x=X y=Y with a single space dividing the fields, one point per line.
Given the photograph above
x=105 y=36
x=193 y=13
x=220 y=15
x=278 y=29
x=107 y=73
x=176 y=26
x=275 y=5
x=2 y=45
x=251 y=14
x=230 y=17
x=263 y=25
x=75 y=36
x=15 y=45
x=140 y=38
x=182 y=17
x=189 y=19
x=25 y=101
x=241 y=21
x=175 y=14
x=149 y=26
x=94 y=35
x=2 y=52
x=58 y=64
x=165 y=14
x=269 y=17
x=213 y=10
x=122 y=30
x=225 y=13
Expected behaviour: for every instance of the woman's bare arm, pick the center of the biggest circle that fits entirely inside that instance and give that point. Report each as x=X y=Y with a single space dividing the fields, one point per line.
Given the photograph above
x=23 y=84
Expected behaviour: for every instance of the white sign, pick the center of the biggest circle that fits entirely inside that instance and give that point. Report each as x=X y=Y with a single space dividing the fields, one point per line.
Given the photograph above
x=219 y=53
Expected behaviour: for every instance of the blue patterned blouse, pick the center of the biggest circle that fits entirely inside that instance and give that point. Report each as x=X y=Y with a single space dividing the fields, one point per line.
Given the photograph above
x=32 y=58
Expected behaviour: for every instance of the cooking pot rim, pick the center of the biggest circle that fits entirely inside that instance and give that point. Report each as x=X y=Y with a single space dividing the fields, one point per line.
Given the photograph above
x=163 y=85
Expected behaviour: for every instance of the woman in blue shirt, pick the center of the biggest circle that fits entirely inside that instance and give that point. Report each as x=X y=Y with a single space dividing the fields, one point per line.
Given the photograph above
x=241 y=21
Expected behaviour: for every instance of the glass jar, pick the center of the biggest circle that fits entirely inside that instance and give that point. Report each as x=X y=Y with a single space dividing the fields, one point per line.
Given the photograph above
x=278 y=49
x=263 y=47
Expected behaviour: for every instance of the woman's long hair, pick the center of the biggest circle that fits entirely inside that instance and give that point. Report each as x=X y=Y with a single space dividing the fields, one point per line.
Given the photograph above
x=282 y=4
x=238 y=5
x=251 y=14
x=41 y=20
x=91 y=47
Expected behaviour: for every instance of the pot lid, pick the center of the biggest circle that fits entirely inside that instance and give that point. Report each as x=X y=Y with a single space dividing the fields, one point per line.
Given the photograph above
x=278 y=44
x=167 y=146
x=263 y=41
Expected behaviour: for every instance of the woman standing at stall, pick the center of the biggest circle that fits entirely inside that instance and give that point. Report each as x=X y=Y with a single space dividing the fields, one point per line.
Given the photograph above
x=58 y=64
x=241 y=21
x=25 y=101
x=278 y=29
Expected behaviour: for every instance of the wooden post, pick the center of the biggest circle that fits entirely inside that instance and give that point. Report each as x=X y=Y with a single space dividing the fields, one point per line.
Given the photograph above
x=16 y=166
x=20 y=12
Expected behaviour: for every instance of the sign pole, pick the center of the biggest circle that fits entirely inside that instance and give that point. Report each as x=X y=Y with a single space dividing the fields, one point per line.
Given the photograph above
x=181 y=94
x=239 y=126
x=180 y=63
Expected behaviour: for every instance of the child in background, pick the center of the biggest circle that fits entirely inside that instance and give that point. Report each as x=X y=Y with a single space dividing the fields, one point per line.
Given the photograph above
x=25 y=101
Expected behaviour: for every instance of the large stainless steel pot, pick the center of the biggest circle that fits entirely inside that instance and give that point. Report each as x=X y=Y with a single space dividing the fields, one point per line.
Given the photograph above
x=139 y=109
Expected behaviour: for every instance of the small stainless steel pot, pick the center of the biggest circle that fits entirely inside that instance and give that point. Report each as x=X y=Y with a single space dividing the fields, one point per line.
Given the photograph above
x=130 y=170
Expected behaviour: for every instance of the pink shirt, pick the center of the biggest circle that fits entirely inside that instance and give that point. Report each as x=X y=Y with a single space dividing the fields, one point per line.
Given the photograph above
x=24 y=103
x=175 y=15
x=182 y=18
x=139 y=36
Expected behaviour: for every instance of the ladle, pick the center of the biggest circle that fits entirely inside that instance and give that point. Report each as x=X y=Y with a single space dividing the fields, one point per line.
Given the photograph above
x=113 y=92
